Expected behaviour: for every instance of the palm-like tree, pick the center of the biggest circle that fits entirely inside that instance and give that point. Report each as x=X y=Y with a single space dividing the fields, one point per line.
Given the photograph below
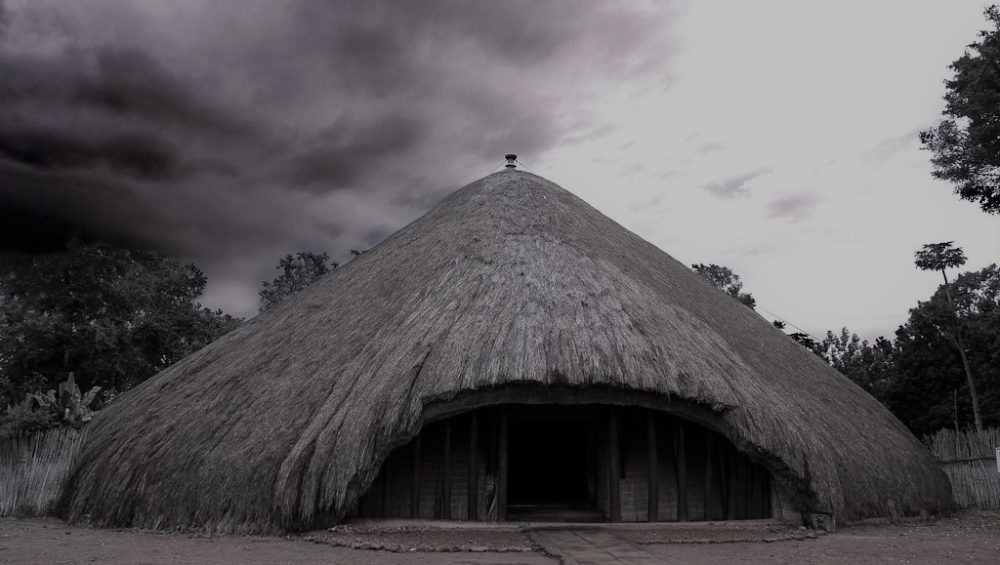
x=939 y=257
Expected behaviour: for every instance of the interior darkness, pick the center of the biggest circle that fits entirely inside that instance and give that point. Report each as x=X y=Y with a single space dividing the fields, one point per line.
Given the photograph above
x=547 y=462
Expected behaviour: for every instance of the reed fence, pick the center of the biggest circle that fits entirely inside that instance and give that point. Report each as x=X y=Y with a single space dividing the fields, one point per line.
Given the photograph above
x=33 y=469
x=969 y=459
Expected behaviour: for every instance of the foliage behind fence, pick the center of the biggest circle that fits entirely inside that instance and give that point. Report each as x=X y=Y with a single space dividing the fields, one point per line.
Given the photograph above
x=33 y=469
x=969 y=460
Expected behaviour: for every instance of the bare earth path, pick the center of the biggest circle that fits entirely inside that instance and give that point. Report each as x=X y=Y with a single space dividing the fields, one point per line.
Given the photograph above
x=592 y=547
x=969 y=538
x=51 y=542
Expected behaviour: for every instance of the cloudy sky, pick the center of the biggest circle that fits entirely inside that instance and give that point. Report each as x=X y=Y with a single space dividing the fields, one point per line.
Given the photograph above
x=776 y=137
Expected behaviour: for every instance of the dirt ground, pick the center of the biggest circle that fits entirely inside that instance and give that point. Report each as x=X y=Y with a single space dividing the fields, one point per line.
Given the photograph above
x=52 y=542
x=967 y=538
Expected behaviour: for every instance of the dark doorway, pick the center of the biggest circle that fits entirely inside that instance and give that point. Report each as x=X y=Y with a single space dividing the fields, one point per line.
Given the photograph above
x=569 y=463
x=550 y=458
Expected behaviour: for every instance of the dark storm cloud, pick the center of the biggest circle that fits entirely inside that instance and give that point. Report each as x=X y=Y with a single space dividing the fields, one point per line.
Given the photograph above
x=34 y=231
x=133 y=154
x=337 y=157
x=735 y=186
x=117 y=82
x=232 y=133
x=131 y=83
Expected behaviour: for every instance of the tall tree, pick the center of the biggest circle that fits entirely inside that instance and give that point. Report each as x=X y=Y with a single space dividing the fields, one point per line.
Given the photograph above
x=111 y=316
x=966 y=144
x=940 y=257
x=929 y=366
x=724 y=279
x=297 y=272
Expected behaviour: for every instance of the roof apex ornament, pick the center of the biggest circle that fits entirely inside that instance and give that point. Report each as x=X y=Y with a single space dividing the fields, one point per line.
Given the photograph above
x=511 y=160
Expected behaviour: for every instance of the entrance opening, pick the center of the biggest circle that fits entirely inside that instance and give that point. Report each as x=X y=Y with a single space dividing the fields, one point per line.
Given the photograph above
x=568 y=463
x=550 y=456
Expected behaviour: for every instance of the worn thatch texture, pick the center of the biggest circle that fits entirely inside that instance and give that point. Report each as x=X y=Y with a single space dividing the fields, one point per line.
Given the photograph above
x=509 y=281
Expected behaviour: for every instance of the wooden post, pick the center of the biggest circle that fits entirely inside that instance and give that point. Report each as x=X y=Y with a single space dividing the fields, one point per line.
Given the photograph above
x=614 y=497
x=708 y=474
x=731 y=457
x=680 y=461
x=446 y=473
x=473 y=512
x=768 y=495
x=740 y=493
x=755 y=507
x=415 y=486
x=386 y=487
x=502 y=469
x=653 y=500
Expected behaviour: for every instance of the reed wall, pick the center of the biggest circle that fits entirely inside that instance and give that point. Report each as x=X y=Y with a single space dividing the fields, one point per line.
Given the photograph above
x=969 y=460
x=33 y=470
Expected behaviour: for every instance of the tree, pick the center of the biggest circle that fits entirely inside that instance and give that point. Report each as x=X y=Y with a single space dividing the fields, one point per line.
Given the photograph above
x=112 y=316
x=930 y=367
x=724 y=279
x=802 y=338
x=940 y=257
x=966 y=144
x=297 y=272
x=870 y=365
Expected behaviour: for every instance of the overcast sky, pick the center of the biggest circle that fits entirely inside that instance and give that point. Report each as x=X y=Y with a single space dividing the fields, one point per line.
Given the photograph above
x=776 y=137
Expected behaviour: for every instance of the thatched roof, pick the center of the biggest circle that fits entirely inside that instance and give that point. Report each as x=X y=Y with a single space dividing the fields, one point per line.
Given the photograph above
x=509 y=282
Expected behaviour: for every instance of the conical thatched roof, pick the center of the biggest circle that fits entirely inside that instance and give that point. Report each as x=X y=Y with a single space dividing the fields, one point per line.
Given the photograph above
x=509 y=282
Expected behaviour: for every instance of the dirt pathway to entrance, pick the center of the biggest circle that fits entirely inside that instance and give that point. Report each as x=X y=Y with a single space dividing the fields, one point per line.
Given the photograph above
x=592 y=547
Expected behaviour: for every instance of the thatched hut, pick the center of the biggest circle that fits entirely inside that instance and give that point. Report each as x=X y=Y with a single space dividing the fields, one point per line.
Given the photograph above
x=513 y=354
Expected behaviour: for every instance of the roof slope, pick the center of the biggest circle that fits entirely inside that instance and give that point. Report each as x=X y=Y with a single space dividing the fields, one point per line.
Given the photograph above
x=512 y=279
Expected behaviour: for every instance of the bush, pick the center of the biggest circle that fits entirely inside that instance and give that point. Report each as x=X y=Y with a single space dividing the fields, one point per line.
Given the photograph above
x=40 y=412
x=25 y=419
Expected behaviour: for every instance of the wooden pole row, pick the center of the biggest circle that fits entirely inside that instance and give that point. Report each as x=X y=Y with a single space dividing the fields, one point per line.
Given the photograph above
x=742 y=487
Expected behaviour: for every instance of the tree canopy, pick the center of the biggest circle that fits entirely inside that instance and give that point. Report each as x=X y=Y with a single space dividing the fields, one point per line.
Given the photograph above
x=966 y=144
x=111 y=316
x=920 y=375
x=939 y=256
x=724 y=279
x=870 y=365
x=933 y=389
x=297 y=272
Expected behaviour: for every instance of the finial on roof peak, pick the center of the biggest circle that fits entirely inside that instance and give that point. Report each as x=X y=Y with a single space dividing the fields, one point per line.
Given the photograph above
x=511 y=160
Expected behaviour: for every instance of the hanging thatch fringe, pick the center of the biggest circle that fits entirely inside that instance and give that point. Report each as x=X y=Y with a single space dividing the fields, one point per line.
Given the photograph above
x=509 y=282
x=33 y=470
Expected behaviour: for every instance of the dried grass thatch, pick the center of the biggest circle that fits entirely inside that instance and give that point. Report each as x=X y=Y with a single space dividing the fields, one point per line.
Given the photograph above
x=509 y=283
